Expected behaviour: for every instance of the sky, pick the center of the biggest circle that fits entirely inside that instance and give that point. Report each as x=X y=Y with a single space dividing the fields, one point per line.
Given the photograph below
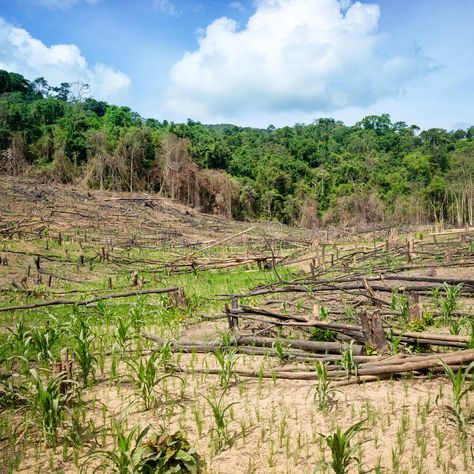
x=254 y=62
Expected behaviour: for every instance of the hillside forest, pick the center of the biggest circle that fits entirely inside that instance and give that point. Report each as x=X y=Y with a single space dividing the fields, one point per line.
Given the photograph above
x=325 y=173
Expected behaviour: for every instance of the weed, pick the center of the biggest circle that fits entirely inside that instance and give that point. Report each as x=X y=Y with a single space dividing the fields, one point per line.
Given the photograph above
x=318 y=334
x=167 y=454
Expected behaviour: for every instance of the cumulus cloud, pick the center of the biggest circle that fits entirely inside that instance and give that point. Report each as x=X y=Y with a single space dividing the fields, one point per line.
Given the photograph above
x=292 y=55
x=20 y=52
x=166 y=6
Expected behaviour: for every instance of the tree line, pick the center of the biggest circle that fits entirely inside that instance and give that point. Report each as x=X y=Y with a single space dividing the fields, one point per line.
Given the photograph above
x=311 y=175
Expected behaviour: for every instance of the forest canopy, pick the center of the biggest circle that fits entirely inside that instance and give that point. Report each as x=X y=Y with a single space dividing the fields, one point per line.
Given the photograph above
x=318 y=174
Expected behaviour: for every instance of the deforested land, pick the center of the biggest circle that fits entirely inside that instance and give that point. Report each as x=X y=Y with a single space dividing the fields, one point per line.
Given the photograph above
x=216 y=299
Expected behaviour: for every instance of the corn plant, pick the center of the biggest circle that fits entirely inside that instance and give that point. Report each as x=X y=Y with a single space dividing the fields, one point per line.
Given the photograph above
x=400 y=303
x=226 y=361
x=461 y=384
x=394 y=342
x=137 y=314
x=227 y=339
x=123 y=334
x=165 y=359
x=470 y=344
x=146 y=377
x=323 y=313
x=343 y=454
x=20 y=338
x=104 y=311
x=43 y=340
x=50 y=401
x=280 y=351
x=347 y=359
x=449 y=303
x=82 y=344
x=127 y=457
x=324 y=395
x=456 y=326
x=221 y=422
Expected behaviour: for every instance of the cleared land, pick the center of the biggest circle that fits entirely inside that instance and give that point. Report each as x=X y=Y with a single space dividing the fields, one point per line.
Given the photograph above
x=285 y=333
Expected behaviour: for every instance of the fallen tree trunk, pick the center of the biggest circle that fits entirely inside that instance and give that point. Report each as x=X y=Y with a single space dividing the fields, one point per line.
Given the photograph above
x=310 y=346
x=454 y=360
x=260 y=346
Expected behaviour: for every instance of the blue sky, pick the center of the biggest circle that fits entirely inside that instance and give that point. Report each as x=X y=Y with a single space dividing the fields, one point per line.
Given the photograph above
x=254 y=62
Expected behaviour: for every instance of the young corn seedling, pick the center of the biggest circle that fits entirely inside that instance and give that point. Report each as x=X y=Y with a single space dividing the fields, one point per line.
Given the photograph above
x=43 y=340
x=394 y=342
x=226 y=361
x=221 y=421
x=470 y=344
x=146 y=378
x=20 y=338
x=127 y=457
x=136 y=314
x=347 y=359
x=51 y=401
x=324 y=395
x=280 y=351
x=82 y=346
x=123 y=334
x=461 y=384
x=400 y=303
x=343 y=454
x=165 y=359
x=450 y=302
x=227 y=339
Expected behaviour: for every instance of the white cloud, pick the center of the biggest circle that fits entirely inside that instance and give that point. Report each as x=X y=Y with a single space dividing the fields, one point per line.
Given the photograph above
x=166 y=6
x=293 y=55
x=20 y=52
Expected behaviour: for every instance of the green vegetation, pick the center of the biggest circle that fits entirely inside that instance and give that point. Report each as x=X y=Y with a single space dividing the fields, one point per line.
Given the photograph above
x=461 y=384
x=324 y=172
x=324 y=395
x=220 y=412
x=343 y=454
x=51 y=401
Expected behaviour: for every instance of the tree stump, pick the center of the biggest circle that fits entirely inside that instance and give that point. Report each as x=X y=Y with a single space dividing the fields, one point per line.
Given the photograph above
x=372 y=329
